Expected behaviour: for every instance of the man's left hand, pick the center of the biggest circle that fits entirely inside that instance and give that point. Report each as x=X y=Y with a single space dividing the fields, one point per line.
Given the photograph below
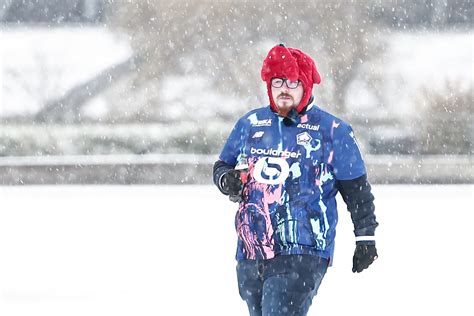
x=364 y=255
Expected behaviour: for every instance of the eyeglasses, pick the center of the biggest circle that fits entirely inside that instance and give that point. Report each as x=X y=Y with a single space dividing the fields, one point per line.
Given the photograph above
x=278 y=83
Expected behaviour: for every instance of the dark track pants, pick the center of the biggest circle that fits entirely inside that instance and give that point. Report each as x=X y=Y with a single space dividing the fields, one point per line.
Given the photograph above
x=284 y=285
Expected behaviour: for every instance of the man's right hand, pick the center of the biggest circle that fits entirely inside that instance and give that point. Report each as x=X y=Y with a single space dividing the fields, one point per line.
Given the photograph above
x=232 y=185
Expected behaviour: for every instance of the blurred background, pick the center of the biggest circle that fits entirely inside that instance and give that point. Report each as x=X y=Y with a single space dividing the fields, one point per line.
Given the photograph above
x=146 y=92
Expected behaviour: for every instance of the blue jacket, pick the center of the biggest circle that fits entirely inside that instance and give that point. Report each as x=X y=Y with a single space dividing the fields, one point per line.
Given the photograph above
x=294 y=173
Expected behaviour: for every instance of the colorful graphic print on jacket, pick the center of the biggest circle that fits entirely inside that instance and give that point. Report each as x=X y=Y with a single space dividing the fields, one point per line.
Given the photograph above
x=289 y=202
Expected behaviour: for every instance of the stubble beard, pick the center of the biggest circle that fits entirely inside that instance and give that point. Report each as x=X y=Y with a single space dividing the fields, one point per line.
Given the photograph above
x=285 y=106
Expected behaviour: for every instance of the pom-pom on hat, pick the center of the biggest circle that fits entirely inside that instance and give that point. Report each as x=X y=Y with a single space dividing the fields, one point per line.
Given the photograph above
x=291 y=63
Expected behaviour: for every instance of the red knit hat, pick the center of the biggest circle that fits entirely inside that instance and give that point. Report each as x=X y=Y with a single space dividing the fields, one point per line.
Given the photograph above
x=291 y=63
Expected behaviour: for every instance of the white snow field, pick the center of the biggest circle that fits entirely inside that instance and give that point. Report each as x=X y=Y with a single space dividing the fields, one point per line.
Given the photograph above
x=169 y=250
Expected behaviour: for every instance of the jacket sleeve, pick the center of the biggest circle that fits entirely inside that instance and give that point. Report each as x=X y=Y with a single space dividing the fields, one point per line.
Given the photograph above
x=218 y=171
x=357 y=194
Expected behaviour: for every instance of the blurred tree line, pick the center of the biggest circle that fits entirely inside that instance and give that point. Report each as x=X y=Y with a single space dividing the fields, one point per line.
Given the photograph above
x=226 y=41
x=447 y=126
x=430 y=14
x=52 y=12
x=221 y=45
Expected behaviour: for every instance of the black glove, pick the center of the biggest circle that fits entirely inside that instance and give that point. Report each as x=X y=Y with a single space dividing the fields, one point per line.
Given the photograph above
x=364 y=255
x=232 y=185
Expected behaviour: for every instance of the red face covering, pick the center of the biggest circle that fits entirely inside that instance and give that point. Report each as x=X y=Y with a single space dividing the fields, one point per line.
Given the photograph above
x=291 y=63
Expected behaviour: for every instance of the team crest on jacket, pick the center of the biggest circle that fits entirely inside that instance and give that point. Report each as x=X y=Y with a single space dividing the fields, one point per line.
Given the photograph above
x=303 y=138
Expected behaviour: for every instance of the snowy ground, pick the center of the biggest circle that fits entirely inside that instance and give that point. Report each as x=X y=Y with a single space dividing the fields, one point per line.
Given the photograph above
x=168 y=250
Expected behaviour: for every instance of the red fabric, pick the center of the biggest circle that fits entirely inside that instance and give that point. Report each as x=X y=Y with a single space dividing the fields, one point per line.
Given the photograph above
x=291 y=63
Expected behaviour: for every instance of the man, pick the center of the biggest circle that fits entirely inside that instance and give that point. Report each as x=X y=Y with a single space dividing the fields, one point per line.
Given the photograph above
x=284 y=164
